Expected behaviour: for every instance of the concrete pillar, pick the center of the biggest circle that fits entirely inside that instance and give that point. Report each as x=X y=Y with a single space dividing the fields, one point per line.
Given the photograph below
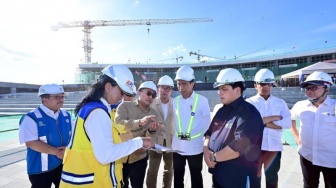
x=13 y=90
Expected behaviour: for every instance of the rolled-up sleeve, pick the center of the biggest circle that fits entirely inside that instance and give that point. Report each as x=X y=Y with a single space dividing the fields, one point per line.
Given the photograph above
x=122 y=119
x=285 y=122
x=99 y=128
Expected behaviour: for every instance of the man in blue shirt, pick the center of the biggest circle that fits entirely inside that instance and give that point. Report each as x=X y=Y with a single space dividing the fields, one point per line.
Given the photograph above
x=232 y=145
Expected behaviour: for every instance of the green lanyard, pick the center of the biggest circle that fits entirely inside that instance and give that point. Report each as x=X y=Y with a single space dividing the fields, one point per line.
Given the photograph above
x=191 y=119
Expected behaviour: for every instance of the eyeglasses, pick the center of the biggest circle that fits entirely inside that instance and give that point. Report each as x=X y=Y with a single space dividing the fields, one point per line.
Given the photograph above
x=58 y=98
x=153 y=95
x=312 y=88
x=165 y=88
x=265 y=84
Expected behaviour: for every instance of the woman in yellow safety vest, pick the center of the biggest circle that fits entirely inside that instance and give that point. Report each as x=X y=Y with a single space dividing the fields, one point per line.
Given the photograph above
x=89 y=159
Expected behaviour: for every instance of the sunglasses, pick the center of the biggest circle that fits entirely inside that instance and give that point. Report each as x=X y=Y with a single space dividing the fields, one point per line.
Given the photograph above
x=265 y=84
x=153 y=95
x=312 y=88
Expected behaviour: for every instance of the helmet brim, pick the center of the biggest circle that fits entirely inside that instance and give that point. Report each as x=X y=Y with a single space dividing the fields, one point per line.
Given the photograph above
x=316 y=83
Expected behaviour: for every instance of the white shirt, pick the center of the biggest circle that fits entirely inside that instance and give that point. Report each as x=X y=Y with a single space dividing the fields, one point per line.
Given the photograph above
x=273 y=106
x=165 y=108
x=201 y=124
x=317 y=131
x=28 y=127
x=98 y=126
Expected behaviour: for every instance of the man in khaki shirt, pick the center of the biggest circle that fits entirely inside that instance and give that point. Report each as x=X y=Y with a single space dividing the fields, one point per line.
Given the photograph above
x=164 y=106
x=139 y=119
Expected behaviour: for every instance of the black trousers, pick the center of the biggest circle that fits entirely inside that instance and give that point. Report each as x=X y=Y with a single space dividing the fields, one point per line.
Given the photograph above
x=44 y=180
x=271 y=161
x=195 y=163
x=135 y=172
x=311 y=174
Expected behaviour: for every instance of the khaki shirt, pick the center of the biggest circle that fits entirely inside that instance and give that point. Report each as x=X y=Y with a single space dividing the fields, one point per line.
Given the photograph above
x=129 y=114
x=166 y=131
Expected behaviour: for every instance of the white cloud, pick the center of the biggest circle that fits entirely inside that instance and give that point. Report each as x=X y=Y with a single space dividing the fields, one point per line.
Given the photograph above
x=171 y=50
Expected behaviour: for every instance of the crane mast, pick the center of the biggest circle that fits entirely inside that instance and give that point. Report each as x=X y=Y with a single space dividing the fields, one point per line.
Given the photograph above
x=88 y=25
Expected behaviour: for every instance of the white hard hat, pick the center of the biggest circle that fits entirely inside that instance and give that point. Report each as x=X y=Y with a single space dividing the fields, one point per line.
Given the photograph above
x=122 y=75
x=185 y=73
x=50 y=89
x=264 y=76
x=228 y=76
x=134 y=90
x=166 y=81
x=318 y=78
x=149 y=85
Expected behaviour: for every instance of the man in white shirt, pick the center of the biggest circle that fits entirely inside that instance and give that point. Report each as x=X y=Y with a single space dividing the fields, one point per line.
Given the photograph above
x=276 y=117
x=192 y=119
x=163 y=104
x=317 y=135
x=46 y=131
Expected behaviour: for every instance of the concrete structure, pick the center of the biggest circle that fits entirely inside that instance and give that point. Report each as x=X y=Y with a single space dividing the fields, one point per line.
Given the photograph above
x=9 y=88
x=279 y=64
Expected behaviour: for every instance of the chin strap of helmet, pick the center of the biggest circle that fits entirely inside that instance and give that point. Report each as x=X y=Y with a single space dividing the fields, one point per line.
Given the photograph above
x=315 y=100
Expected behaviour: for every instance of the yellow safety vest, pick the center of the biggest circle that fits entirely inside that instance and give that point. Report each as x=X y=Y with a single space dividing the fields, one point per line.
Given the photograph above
x=117 y=129
x=80 y=167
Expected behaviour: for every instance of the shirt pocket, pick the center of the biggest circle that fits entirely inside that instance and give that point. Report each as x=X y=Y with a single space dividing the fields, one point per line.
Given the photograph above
x=330 y=121
x=274 y=111
x=307 y=119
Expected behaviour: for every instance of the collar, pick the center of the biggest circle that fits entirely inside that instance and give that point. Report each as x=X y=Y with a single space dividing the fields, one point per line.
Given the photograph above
x=136 y=102
x=327 y=102
x=236 y=103
x=192 y=96
x=260 y=97
x=158 y=101
x=106 y=104
x=49 y=112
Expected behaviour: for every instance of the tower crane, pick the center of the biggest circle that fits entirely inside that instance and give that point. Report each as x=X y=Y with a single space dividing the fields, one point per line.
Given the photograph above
x=88 y=25
x=180 y=58
x=202 y=55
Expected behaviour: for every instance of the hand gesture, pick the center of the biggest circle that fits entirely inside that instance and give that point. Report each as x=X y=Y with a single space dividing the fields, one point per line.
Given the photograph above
x=147 y=142
x=60 y=153
x=145 y=119
x=154 y=126
x=207 y=157
x=297 y=139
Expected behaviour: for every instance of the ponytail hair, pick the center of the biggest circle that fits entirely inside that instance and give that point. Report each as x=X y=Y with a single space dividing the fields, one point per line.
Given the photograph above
x=95 y=92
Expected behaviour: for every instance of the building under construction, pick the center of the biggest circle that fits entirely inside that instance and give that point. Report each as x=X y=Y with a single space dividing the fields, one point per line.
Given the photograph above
x=207 y=71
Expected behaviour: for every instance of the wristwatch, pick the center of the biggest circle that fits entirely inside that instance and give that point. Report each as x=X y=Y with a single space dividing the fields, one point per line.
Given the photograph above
x=213 y=157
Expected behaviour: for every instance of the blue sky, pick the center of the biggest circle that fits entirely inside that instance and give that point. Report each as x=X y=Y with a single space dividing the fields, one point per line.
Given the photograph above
x=31 y=52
